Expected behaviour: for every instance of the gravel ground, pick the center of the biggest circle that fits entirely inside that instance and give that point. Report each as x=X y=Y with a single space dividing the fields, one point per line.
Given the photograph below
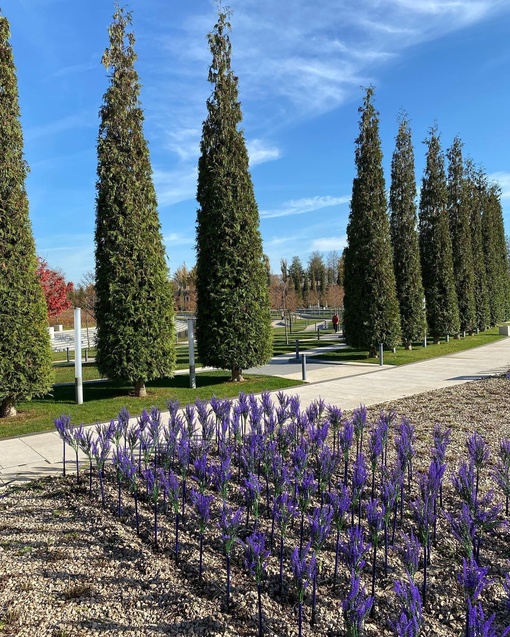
x=68 y=567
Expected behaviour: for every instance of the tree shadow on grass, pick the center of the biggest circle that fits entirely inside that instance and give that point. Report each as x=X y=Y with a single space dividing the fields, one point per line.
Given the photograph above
x=107 y=390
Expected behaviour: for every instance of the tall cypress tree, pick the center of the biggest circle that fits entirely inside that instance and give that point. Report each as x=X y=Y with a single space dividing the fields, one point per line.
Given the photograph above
x=371 y=313
x=474 y=190
x=134 y=307
x=233 y=318
x=460 y=232
x=436 y=245
x=494 y=251
x=25 y=353
x=404 y=237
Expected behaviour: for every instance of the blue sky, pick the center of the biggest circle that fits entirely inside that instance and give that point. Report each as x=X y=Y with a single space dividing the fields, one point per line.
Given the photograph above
x=301 y=66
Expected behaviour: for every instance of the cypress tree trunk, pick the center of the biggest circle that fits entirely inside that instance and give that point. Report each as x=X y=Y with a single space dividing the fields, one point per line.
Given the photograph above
x=140 y=389
x=8 y=408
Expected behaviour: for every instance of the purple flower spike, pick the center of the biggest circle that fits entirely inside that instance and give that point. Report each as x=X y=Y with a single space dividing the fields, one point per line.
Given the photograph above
x=479 y=625
x=409 y=552
x=356 y=607
x=473 y=579
x=303 y=565
x=478 y=449
x=320 y=524
x=410 y=619
x=202 y=504
x=354 y=549
x=256 y=554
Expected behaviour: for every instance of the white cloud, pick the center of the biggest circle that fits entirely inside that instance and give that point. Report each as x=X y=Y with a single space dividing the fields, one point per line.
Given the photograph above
x=302 y=206
x=326 y=244
x=260 y=152
x=178 y=239
x=77 y=120
x=173 y=186
x=503 y=179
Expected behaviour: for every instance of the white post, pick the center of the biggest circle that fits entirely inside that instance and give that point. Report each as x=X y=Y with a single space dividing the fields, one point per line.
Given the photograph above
x=78 y=376
x=191 y=344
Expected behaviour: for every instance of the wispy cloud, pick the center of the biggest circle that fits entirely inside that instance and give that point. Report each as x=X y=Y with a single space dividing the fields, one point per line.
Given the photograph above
x=178 y=239
x=72 y=122
x=503 y=179
x=260 y=151
x=302 y=206
x=326 y=244
x=174 y=186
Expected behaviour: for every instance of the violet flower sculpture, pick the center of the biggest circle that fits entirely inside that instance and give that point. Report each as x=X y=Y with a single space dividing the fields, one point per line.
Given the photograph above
x=304 y=564
x=320 y=525
x=359 y=478
x=375 y=519
x=354 y=549
x=359 y=421
x=356 y=606
x=62 y=425
x=229 y=524
x=334 y=415
x=255 y=559
x=340 y=501
x=410 y=619
x=153 y=479
x=473 y=580
x=285 y=510
x=409 y=552
x=202 y=504
x=501 y=472
x=170 y=484
x=345 y=438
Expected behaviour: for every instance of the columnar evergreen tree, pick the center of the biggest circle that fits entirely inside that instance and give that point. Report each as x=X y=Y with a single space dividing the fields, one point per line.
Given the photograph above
x=371 y=313
x=25 y=353
x=436 y=245
x=233 y=319
x=404 y=237
x=317 y=276
x=134 y=307
x=296 y=273
x=474 y=190
x=460 y=232
x=494 y=252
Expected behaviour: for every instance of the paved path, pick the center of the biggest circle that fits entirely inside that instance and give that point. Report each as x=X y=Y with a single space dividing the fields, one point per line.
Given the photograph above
x=346 y=385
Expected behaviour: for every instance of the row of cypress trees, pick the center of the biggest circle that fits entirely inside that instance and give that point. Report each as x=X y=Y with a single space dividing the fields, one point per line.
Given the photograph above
x=442 y=268
x=134 y=307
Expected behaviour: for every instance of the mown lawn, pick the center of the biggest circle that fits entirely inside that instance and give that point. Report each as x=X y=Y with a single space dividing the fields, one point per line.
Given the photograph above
x=103 y=400
x=418 y=353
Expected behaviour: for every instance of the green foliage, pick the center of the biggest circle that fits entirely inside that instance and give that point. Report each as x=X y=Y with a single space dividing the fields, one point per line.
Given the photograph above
x=233 y=319
x=494 y=248
x=473 y=190
x=297 y=274
x=404 y=238
x=460 y=232
x=25 y=354
x=134 y=306
x=436 y=245
x=371 y=313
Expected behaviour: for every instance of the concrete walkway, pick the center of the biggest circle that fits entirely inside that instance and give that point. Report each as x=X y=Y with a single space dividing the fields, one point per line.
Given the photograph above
x=346 y=385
